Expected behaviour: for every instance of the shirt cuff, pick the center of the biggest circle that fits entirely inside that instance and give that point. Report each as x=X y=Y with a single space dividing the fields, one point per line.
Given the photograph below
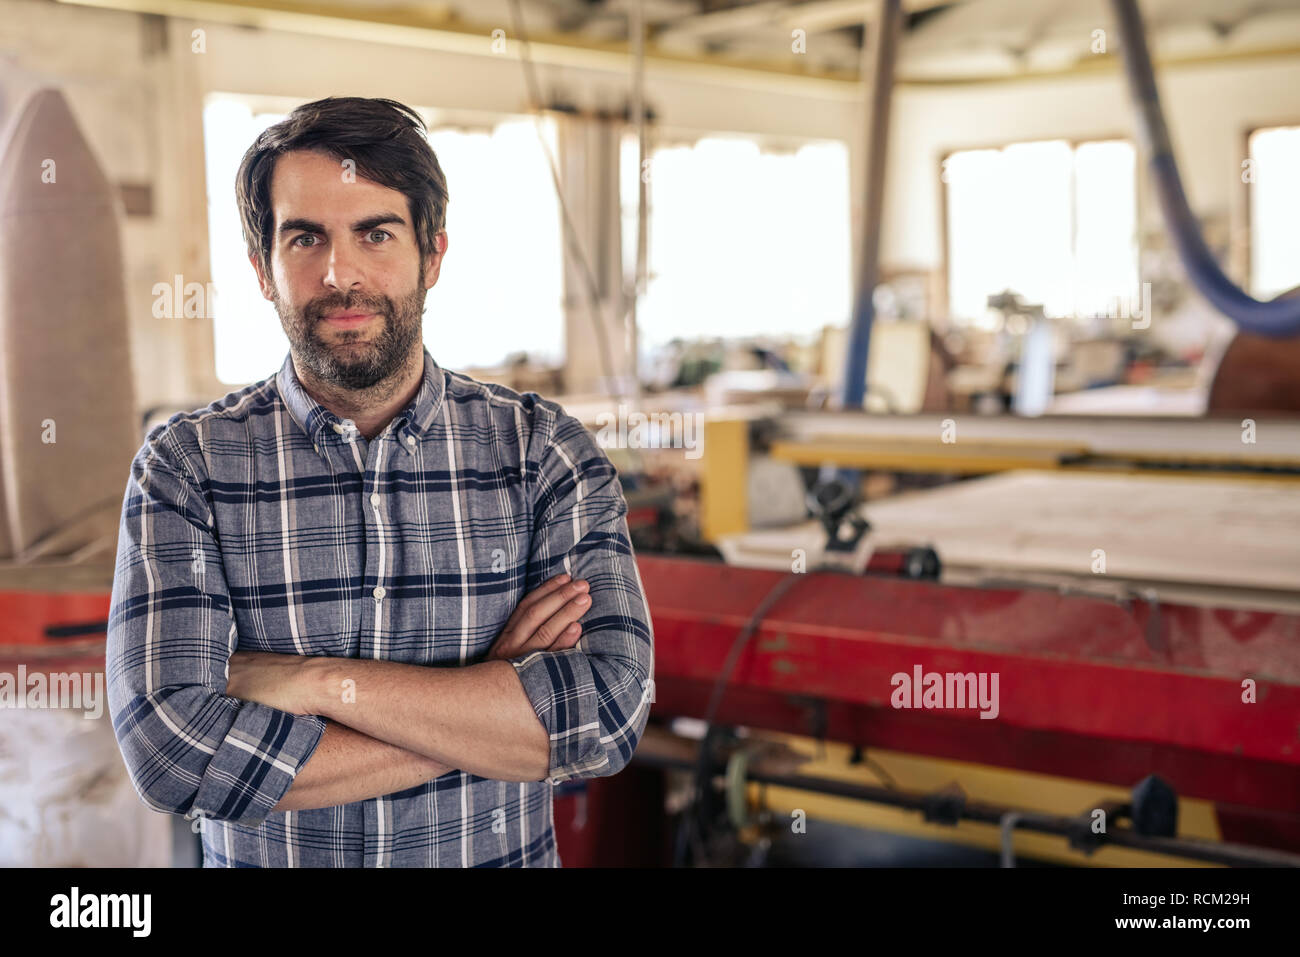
x=256 y=763
x=559 y=685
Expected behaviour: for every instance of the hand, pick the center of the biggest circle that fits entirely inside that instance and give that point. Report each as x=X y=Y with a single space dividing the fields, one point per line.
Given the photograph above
x=546 y=619
x=278 y=681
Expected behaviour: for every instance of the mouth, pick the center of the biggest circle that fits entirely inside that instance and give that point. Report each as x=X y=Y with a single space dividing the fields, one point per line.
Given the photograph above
x=348 y=320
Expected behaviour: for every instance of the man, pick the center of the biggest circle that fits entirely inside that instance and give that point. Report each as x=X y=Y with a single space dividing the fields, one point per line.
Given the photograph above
x=339 y=633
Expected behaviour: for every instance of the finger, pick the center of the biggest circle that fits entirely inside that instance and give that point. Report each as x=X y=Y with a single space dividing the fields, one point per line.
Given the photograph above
x=568 y=638
x=542 y=610
x=562 y=630
x=537 y=594
x=551 y=629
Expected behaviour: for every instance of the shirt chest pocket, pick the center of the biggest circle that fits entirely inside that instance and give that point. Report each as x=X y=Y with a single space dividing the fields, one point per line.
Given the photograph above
x=472 y=601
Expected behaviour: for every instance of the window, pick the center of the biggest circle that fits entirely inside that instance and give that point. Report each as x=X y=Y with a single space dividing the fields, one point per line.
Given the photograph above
x=500 y=287
x=1274 y=211
x=741 y=242
x=1054 y=222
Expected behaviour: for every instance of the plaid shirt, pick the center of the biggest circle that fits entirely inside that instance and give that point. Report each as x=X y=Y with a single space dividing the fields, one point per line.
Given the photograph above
x=266 y=523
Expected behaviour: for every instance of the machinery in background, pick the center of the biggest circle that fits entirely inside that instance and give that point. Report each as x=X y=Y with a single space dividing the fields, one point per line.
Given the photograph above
x=1257 y=374
x=1167 y=707
x=1089 y=690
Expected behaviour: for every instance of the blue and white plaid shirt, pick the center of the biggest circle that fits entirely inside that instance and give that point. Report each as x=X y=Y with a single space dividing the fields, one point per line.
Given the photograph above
x=266 y=523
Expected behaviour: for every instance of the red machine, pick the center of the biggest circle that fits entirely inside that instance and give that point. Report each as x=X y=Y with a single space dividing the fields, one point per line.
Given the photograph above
x=1088 y=688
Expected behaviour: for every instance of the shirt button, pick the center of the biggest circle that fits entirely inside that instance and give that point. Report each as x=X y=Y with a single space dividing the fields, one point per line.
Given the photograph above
x=410 y=440
x=379 y=593
x=374 y=499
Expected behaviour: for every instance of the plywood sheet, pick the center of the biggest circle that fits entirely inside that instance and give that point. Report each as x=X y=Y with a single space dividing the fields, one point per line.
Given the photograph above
x=1193 y=532
x=1220 y=532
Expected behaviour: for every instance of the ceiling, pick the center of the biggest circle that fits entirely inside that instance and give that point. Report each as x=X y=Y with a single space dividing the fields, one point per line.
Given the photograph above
x=943 y=39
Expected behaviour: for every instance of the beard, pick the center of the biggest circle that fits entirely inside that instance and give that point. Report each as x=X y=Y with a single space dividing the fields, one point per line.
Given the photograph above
x=354 y=359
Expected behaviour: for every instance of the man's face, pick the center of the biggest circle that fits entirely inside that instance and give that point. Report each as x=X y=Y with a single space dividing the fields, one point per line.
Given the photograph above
x=346 y=276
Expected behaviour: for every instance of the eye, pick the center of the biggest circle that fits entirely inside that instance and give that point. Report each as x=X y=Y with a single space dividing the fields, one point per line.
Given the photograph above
x=303 y=236
x=380 y=232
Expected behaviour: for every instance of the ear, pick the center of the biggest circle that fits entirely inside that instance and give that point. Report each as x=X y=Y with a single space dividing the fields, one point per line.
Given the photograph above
x=262 y=279
x=432 y=270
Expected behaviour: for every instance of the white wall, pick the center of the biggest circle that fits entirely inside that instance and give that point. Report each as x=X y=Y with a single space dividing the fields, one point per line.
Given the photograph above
x=1208 y=108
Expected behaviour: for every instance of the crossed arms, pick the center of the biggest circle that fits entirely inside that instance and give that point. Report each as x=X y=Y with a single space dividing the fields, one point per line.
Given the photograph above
x=393 y=725
x=236 y=735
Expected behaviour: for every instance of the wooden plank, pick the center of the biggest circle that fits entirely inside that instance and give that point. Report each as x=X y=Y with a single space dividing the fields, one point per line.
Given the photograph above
x=1180 y=530
x=917 y=455
x=1271 y=440
x=1187 y=535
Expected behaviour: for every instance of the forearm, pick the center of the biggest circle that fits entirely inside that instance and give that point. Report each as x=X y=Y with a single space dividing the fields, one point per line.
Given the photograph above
x=477 y=718
x=348 y=766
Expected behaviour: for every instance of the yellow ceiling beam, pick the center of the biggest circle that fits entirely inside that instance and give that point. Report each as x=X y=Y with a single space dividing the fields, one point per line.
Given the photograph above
x=409 y=26
x=437 y=27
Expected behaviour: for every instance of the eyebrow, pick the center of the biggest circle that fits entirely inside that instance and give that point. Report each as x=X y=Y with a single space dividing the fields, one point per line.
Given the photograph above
x=300 y=224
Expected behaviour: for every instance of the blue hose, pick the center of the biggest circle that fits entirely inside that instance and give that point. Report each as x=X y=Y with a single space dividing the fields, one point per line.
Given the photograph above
x=1278 y=317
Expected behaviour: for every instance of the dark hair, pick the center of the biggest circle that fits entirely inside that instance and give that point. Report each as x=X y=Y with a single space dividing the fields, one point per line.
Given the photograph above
x=385 y=139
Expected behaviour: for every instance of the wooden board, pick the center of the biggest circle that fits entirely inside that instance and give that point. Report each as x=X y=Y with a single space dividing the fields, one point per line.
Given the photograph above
x=917 y=455
x=1199 y=535
x=1265 y=440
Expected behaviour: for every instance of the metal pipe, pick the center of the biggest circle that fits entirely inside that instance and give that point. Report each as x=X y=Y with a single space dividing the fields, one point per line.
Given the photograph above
x=1278 y=317
x=880 y=45
x=666 y=750
x=1008 y=829
x=632 y=341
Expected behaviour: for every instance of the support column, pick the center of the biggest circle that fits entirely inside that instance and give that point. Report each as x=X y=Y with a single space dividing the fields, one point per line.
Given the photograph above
x=600 y=342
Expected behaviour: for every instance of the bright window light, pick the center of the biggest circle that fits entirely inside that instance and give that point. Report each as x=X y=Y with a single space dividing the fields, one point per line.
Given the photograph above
x=1275 y=211
x=1105 y=232
x=249 y=343
x=741 y=242
x=500 y=288
x=1054 y=223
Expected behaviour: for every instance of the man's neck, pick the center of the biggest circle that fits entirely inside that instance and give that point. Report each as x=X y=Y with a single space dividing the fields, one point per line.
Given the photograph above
x=371 y=409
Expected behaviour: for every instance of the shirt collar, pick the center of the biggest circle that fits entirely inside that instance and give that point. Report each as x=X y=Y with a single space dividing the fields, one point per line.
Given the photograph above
x=321 y=424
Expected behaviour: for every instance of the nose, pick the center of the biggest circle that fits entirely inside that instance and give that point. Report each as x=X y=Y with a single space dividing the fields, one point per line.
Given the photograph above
x=342 y=270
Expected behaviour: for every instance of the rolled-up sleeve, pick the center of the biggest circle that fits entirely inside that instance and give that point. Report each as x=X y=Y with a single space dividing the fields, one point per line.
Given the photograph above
x=189 y=748
x=593 y=699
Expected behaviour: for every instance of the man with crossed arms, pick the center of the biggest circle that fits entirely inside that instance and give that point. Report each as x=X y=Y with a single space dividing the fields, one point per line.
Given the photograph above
x=368 y=612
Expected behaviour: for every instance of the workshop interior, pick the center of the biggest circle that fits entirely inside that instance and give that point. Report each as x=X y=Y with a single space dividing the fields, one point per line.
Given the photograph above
x=948 y=352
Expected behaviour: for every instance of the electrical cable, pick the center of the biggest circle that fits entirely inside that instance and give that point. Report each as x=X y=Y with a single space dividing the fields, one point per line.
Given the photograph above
x=715 y=702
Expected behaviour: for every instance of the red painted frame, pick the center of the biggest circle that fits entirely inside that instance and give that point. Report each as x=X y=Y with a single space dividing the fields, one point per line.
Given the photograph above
x=1088 y=688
